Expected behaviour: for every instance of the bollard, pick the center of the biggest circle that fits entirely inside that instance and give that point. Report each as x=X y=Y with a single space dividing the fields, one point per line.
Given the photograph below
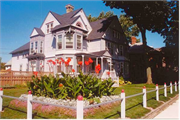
x=144 y=97
x=79 y=109
x=165 y=90
x=171 y=88
x=175 y=86
x=29 y=106
x=157 y=92
x=1 y=99
x=123 y=104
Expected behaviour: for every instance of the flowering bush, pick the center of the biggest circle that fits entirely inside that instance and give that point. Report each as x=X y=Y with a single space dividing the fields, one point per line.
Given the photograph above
x=69 y=87
x=123 y=82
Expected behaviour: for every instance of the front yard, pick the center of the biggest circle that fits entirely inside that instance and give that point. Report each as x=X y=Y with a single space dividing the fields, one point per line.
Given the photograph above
x=134 y=107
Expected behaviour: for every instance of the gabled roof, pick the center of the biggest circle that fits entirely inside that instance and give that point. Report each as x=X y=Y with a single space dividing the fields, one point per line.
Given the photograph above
x=25 y=47
x=99 y=27
x=9 y=62
x=65 y=19
x=39 y=31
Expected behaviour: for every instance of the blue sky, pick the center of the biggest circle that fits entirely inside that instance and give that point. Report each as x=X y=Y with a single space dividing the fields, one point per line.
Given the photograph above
x=18 y=18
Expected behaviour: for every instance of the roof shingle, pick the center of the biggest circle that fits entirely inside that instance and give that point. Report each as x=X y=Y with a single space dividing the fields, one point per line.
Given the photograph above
x=22 y=48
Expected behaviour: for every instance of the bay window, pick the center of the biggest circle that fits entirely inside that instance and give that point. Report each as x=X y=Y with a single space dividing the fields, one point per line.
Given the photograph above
x=31 y=47
x=41 y=47
x=59 y=42
x=79 y=42
x=69 y=40
x=36 y=46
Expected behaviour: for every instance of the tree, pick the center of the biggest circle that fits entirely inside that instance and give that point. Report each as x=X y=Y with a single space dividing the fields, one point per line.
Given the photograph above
x=101 y=16
x=2 y=66
x=129 y=28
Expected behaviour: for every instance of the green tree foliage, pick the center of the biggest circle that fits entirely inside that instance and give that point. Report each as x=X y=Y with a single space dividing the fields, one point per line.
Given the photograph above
x=129 y=28
x=2 y=66
x=101 y=16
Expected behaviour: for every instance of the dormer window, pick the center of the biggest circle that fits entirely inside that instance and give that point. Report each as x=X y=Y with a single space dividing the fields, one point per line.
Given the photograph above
x=78 y=24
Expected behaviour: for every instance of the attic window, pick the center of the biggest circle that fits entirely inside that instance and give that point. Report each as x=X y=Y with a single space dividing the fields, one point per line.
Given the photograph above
x=78 y=24
x=49 y=26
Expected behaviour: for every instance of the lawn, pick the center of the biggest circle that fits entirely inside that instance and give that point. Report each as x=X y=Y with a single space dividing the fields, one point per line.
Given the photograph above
x=134 y=107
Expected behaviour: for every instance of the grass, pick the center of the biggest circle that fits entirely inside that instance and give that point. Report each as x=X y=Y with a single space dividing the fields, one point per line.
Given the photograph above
x=134 y=108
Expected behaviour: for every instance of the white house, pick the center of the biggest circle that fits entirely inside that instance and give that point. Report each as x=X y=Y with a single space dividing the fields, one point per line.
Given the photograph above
x=71 y=35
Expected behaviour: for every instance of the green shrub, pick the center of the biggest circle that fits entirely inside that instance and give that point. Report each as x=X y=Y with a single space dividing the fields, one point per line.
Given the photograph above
x=69 y=87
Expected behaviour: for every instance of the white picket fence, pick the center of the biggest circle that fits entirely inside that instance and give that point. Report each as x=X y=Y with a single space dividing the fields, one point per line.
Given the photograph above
x=79 y=108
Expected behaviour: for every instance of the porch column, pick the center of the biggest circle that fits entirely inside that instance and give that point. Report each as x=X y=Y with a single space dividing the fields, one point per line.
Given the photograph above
x=96 y=60
x=82 y=63
x=75 y=65
x=101 y=65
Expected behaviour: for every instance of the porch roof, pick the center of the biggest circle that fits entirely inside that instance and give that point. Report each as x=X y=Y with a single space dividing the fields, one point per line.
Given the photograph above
x=95 y=54
x=37 y=55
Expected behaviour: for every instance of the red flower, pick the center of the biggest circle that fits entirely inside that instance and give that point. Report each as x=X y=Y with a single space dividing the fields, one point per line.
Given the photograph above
x=56 y=60
x=49 y=61
x=60 y=85
x=35 y=73
x=90 y=60
x=66 y=63
x=59 y=62
x=73 y=70
x=97 y=71
x=62 y=59
x=97 y=68
x=80 y=62
x=69 y=60
x=53 y=62
x=87 y=62
x=108 y=73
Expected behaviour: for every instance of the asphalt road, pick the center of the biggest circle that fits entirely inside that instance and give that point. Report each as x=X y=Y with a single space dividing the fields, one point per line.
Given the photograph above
x=171 y=112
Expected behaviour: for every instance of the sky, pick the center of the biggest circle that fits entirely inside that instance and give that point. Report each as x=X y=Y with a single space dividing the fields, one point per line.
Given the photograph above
x=18 y=18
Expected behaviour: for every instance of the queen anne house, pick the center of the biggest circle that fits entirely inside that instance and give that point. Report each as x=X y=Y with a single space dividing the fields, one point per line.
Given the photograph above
x=71 y=35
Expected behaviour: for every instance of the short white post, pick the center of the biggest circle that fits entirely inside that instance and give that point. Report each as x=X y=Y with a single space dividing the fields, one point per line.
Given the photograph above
x=144 y=97
x=1 y=99
x=79 y=109
x=165 y=90
x=171 y=88
x=175 y=86
x=123 y=106
x=29 y=106
x=157 y=92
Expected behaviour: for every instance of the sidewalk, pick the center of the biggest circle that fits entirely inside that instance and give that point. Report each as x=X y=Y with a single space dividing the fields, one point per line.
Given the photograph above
x=171 y=112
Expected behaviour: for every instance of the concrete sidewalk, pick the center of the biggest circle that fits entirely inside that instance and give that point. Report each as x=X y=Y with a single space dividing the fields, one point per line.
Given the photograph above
x=170 y=112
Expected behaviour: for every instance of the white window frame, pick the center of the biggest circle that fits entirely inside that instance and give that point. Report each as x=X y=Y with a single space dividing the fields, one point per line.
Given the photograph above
x=77 y=41
x=72 y=41
x=41 y=47
x=58 y=41
x=36 y=46
x=32 y=47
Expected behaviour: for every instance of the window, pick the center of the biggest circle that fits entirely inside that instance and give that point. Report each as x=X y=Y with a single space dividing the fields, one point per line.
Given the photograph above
x=121 y=69
x=69 y=40
x=78 y=24
x=79 y=42
x=47 y=28
x=20 y=68
x=114 y=33
x=32 y=48
x=110 y=47
x=41 y=47
x=51 y=26
x=121 y=50
x=36 y=46
x=59 y=42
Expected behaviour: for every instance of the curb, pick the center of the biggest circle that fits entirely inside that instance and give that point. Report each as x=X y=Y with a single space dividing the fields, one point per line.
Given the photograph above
x=159 y=109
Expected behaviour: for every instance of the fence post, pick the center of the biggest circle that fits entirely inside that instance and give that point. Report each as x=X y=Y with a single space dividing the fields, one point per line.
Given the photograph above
x=171 y=88
x=175 y=86
x=123 y=106
x=144 y=97
x=157 y=92
x=165 y=90
x=79 y=109
x=1 y=99
x=29 y=106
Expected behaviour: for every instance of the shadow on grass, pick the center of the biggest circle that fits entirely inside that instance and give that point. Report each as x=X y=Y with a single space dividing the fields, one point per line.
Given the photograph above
x=33 y=115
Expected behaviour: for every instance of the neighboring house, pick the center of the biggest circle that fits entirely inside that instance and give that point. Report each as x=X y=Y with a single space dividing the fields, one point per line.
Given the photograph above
x=8 y=65
x=71 y=35
x=137 y=56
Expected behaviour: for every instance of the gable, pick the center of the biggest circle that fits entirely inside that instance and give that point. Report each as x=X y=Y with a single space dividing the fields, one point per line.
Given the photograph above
x=34 y=33
x=107 y=54
x=79 y=23
x=49 y=19
x=85 y=20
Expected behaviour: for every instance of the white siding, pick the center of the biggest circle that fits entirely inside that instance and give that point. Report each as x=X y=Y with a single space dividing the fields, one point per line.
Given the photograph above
x=34 y=33
x=94 y=45
x=50 y=45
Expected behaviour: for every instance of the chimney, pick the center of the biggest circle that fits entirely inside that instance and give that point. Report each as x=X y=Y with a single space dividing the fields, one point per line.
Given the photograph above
x=133 y=40
x=69 y=8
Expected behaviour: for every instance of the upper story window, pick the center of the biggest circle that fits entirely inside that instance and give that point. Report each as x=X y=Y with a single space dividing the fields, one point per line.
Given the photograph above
x=114 y=33
x=49 y=27
x=78 y=24
x=69 y=40
x=110 y=47
x=79 y=42
x=31 y=47
x=41 y=47
x=121 y=50
x=59 y=42
x=36 y=46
